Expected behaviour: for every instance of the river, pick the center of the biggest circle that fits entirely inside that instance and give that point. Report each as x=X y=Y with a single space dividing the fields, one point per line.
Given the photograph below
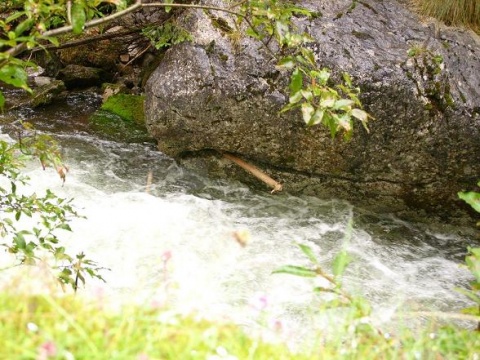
x=175 y=241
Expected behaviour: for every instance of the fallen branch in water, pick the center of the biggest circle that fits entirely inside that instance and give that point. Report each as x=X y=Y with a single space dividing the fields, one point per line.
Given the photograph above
x=149 y=181
x=259 y=174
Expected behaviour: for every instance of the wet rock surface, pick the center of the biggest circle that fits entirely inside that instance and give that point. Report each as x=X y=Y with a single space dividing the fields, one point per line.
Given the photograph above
x=78 y=76
x=220 y=95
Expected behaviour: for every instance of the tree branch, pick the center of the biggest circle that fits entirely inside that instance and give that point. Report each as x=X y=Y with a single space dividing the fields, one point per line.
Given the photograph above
x=16 y=50
x=88 y=40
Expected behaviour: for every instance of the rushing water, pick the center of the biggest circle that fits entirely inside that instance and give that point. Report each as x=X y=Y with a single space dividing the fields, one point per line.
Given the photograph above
x=174 y=240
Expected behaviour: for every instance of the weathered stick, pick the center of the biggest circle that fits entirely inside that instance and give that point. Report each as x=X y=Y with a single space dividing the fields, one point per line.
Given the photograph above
x=259 y=174
x=149 y=181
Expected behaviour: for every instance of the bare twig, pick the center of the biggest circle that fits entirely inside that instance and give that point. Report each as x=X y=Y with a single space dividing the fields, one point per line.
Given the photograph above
x=137 y=56
x=259 y=174
x=88 y=40
x=149 y=181
x=66 y=29
x=69 y=11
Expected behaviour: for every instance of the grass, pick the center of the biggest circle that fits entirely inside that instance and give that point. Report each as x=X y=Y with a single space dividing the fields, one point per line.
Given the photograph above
x=452 y=12
x=68 y=327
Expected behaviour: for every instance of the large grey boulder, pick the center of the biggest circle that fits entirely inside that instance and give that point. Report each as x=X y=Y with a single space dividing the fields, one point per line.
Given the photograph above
x=223 y=94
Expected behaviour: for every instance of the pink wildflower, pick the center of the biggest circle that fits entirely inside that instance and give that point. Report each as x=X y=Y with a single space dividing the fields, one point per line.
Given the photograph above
x=259 y=302
x=47 y=350
x=166 y=256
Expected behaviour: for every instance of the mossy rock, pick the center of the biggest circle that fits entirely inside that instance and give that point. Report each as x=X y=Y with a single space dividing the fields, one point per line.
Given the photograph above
x=113 y=127
x=128 y=107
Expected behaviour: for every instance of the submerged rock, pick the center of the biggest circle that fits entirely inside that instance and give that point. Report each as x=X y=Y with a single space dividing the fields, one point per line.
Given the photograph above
x=42 y=95
x=121 y=118
x=223 y=94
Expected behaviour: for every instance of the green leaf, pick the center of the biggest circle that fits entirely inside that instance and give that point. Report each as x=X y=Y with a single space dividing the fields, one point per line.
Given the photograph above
x=473 y=262
x=51 y=39
x=343 y=104
x=289 y=107
x=412 y=52
x=308 y=55
x=295 y=98
x=322 y=76
x=168 y=8
x=307 y=95
x=78 y=18
x=340 y=263
x=287 y=63
x=65 y=227
x=253 y=34
x=307 y=112
x=24 y=26
x=347 y=79
x=295 y=270
x=330 y=123
x=14 y=75
x=15 y=15
x=471 y=198
x=345 y=122
x=327 y=101
x=296 y=81
x=19 y=241
x=2 y=101
x=317 y=117
x=360 y=115
x=281 y=29
x=307 y=250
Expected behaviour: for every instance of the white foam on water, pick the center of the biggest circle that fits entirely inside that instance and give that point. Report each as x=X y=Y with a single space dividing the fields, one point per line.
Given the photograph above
x=176 y=245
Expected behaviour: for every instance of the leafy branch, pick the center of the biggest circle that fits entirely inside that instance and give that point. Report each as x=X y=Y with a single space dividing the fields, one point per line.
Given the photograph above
x=45 y=216
x=334 y=105
x=472 y=260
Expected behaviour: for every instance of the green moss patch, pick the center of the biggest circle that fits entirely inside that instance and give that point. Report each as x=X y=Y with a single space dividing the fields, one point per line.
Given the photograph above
x=128 y=107
x=121 y=118
x=114 y=127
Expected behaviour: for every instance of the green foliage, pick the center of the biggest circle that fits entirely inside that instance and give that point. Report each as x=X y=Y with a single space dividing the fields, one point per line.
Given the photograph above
x=472 y=198
x=357 y=310
x=320 y=101
x=311 y=89
x=472 y=259
x=25 y=23
x=46 y=216
x=48 y=327
x=166 y=35
x=69 y=328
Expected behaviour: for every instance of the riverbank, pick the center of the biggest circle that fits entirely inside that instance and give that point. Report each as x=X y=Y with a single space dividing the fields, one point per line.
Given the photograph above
x=69 y=327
